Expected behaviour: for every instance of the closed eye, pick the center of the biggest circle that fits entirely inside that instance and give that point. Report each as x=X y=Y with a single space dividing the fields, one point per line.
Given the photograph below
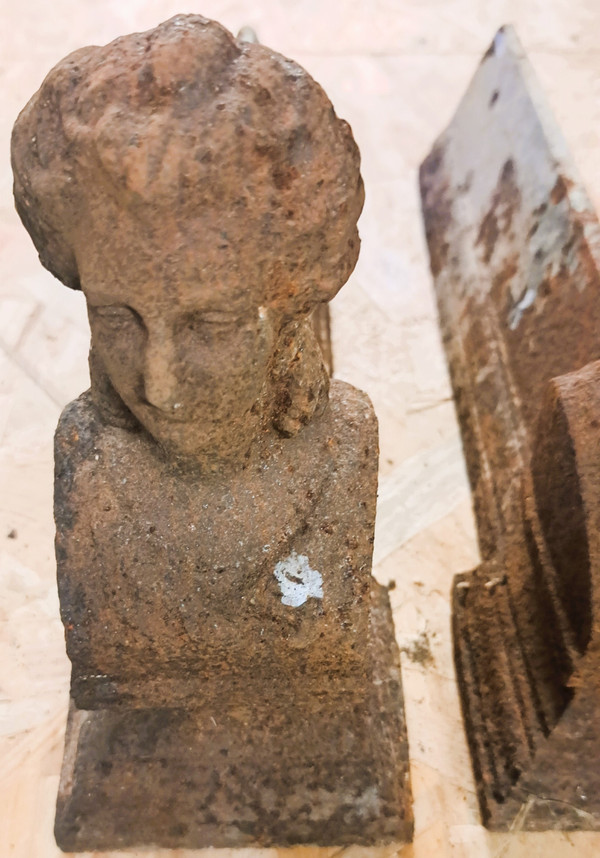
x=214 y=318
x=211 y=323
x=117 y=315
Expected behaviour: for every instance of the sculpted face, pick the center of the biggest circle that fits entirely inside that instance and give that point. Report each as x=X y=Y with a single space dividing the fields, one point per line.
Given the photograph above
x=187 y=350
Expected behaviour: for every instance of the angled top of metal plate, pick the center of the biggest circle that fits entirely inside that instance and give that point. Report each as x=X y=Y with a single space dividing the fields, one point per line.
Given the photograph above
x=507 y=218
x=514 y=246
x=503 y=130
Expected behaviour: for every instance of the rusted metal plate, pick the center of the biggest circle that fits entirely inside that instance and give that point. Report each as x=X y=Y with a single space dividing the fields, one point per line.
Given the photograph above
x=515 y=250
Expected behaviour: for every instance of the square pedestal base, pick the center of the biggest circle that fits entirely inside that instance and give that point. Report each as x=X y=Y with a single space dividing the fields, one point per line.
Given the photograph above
x=329 y=771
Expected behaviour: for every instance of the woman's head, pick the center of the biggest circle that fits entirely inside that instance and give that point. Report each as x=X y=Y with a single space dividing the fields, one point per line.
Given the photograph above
x=180 y=167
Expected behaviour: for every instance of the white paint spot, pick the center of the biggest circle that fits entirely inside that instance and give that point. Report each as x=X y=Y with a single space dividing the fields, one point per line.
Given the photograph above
x=297 y=581
x=525 y=303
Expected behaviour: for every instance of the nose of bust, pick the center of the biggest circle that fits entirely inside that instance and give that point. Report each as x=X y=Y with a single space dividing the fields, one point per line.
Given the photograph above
x=160 y=376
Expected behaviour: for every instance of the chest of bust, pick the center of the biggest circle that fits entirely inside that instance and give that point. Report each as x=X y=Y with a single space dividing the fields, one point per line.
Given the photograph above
x=165 y=572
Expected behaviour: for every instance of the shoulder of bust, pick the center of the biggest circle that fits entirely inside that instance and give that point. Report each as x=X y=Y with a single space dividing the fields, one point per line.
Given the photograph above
x=79 y=425
x=77 y=433
x=351 y=425
x=352 y=408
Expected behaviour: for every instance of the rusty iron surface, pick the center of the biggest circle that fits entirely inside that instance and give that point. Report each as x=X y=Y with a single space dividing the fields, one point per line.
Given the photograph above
x=321 y=320
x=235 y=677
x=514 y=248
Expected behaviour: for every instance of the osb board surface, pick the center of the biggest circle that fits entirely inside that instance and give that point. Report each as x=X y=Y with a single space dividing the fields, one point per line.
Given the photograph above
x=396 y=71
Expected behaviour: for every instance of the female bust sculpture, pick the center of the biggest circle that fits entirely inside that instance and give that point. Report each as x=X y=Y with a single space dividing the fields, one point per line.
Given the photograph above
x=214 y=499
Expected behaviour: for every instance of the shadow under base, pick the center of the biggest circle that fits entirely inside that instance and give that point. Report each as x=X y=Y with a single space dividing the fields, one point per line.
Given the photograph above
x=330 y=770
